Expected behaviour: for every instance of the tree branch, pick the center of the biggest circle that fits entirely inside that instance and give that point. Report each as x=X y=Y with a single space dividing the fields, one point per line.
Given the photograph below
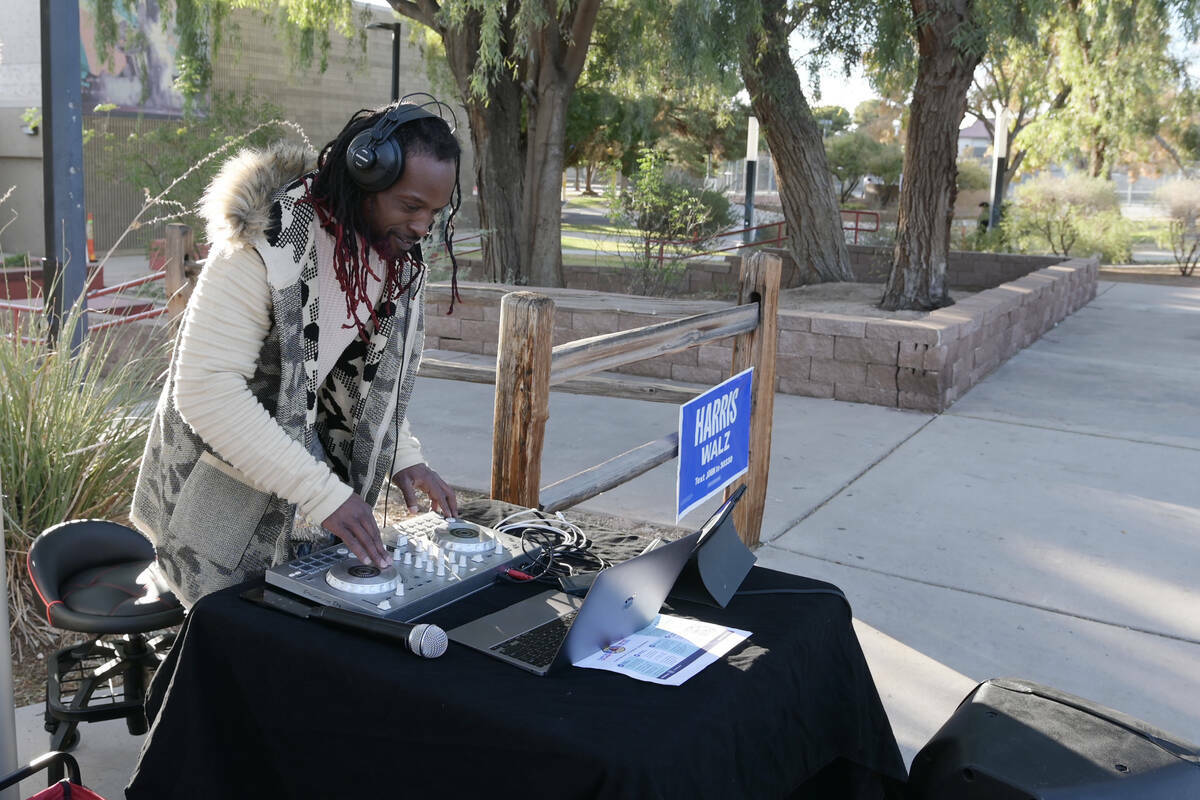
x=422 y=13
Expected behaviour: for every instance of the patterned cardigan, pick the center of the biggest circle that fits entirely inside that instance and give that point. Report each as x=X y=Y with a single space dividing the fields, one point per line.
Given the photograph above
x=210 y=526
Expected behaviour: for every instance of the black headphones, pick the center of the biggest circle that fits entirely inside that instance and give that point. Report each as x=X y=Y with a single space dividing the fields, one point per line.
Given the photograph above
x=374 y=158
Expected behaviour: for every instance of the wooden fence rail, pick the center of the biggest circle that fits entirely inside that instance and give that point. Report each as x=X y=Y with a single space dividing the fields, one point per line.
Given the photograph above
x=526 y=367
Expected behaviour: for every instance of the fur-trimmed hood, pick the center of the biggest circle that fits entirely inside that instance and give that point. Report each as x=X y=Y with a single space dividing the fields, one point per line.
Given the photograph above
x=236 y=205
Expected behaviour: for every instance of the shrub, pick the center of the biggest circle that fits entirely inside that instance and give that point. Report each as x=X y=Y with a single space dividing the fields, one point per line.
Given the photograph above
x=972 y=175
x=1181 y=198
x=72 y=429
x=669 y=217
x=1076 y=214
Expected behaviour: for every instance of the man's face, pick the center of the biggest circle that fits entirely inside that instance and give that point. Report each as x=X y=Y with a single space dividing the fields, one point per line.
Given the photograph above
x=399 y=216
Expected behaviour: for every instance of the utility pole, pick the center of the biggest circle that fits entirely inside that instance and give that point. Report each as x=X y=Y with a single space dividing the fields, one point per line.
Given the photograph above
x=66 y=265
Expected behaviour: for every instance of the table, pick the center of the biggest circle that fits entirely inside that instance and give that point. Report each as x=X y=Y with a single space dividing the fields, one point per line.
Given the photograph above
x=254 y=703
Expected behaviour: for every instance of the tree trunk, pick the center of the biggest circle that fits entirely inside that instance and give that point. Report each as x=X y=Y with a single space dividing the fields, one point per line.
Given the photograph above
x=805 y=183
x=918 y=277
x=557 y=60
x=519 y=170
x=496 y=137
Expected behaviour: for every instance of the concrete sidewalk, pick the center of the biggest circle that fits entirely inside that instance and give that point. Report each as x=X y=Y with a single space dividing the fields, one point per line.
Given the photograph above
x=1044 y=528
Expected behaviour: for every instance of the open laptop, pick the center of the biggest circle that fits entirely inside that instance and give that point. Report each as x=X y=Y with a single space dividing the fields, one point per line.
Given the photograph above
x=544 y=632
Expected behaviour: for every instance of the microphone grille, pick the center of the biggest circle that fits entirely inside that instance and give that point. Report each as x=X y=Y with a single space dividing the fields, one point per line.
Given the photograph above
x=431 y=641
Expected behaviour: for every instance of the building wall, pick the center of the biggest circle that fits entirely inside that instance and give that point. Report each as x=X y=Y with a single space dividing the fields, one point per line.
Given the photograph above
x=253 y=57
x=20 y=153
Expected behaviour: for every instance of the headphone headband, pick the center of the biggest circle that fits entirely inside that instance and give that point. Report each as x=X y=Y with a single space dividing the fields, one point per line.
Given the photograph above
x=374 y=159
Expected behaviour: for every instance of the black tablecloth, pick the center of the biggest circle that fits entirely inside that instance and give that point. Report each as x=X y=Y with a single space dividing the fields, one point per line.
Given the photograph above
x=252 y=702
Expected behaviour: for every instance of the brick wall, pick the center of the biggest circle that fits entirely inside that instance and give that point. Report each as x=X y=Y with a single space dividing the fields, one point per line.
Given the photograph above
x=923 y=364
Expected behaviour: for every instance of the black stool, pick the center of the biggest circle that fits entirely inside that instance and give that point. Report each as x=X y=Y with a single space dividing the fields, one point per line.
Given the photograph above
x=93 y=577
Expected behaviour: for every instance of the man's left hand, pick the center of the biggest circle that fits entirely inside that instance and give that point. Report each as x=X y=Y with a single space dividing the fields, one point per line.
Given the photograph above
x=420 y=476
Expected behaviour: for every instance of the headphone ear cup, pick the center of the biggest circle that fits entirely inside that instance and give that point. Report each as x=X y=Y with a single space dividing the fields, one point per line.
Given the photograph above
x=374 y=166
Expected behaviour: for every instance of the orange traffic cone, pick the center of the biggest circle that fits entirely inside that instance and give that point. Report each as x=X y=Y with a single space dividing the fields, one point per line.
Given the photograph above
x=91 y=238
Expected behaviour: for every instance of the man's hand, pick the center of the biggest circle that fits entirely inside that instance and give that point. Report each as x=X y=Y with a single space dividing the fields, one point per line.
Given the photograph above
x=355 y=525
x=420 y=476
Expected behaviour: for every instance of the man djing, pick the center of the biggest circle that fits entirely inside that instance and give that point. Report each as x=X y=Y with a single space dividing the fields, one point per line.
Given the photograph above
x=284 y=407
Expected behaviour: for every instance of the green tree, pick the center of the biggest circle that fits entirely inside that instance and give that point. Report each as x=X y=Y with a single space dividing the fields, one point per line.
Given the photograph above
x=1097 y=85
x=158 y=152
x=850 y=158
x=832 y=119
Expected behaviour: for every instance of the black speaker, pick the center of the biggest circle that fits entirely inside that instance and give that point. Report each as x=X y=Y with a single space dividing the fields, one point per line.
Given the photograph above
x=1015 y=740
x=374 y=159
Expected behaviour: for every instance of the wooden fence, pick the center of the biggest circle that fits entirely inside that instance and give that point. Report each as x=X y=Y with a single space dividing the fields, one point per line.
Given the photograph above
x=527 y=366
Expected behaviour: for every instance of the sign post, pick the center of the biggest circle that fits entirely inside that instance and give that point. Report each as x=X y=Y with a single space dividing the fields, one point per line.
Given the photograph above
x=714 y=441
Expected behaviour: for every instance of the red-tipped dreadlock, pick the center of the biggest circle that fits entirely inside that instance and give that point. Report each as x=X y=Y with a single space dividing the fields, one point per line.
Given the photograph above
x=351 y=267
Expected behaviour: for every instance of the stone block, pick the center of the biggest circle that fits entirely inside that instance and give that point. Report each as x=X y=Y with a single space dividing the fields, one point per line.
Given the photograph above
x=805 y=344
x=864 y=394
x=838 y=325
x=651 y=368
x=826 y=370
x=461 y=346
x=715 y=355
x=706 y=375
x=492 y=312
x=591 y=323
x=483 y=331
x=902 y=331
x=936 y=357
x=687 y=358
x=443 y=326
x=491 y=348
x=797 y=367
x=432 y=343
x=469 y=311
x=790 y=321
x=805 y=388
x=866 y=351
x=911 y=354
x=916 y=401
x=880 y=376
x=918 y=381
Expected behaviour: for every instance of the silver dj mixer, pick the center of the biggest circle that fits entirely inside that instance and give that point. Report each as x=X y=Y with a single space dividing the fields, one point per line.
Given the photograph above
x=434 y=564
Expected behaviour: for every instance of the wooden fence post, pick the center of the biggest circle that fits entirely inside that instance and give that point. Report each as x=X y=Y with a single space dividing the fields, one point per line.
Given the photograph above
x=522 y=396
x=179 y=246
x=759 y=281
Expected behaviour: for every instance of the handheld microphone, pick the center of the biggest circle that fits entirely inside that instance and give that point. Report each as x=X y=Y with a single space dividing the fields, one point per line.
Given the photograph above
x=422 y=639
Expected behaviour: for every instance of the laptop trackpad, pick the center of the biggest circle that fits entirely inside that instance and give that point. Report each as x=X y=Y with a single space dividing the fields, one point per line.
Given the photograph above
x=514 y=620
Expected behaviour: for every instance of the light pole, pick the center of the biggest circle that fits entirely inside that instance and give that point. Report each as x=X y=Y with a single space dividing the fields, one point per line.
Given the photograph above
x=999 y=162
x=394 y=27
x=751 y=169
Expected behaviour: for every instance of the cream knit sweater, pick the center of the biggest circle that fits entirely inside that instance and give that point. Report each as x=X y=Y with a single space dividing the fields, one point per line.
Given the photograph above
x=228 y=319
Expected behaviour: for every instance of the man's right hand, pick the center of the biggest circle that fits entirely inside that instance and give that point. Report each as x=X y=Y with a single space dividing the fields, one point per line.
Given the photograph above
x=355 y=525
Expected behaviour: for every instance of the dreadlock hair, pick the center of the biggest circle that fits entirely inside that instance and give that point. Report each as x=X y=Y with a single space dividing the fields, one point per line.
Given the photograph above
x=338 y=201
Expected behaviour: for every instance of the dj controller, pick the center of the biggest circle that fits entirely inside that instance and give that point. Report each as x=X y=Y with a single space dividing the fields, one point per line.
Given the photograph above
x=435 y=562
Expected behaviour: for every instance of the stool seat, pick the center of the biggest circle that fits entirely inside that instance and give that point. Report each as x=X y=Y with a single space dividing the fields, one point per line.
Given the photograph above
x=96 y=576
x=99 y=577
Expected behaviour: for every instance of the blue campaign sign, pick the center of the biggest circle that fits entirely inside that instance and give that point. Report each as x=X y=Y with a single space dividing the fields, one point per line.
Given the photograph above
x=714 y=441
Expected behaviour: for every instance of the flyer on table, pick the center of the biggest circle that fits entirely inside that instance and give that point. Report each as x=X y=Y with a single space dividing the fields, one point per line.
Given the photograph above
x=714 y=441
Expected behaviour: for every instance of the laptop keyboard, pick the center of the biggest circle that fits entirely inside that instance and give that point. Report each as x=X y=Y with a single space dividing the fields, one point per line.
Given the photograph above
x=539 y=645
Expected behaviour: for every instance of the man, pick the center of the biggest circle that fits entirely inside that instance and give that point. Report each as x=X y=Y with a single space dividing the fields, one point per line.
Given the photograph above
x=284 y=407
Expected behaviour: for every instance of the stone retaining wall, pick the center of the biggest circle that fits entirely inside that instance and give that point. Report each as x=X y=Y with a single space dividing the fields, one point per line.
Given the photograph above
x=964 y=270
x=924 y=364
